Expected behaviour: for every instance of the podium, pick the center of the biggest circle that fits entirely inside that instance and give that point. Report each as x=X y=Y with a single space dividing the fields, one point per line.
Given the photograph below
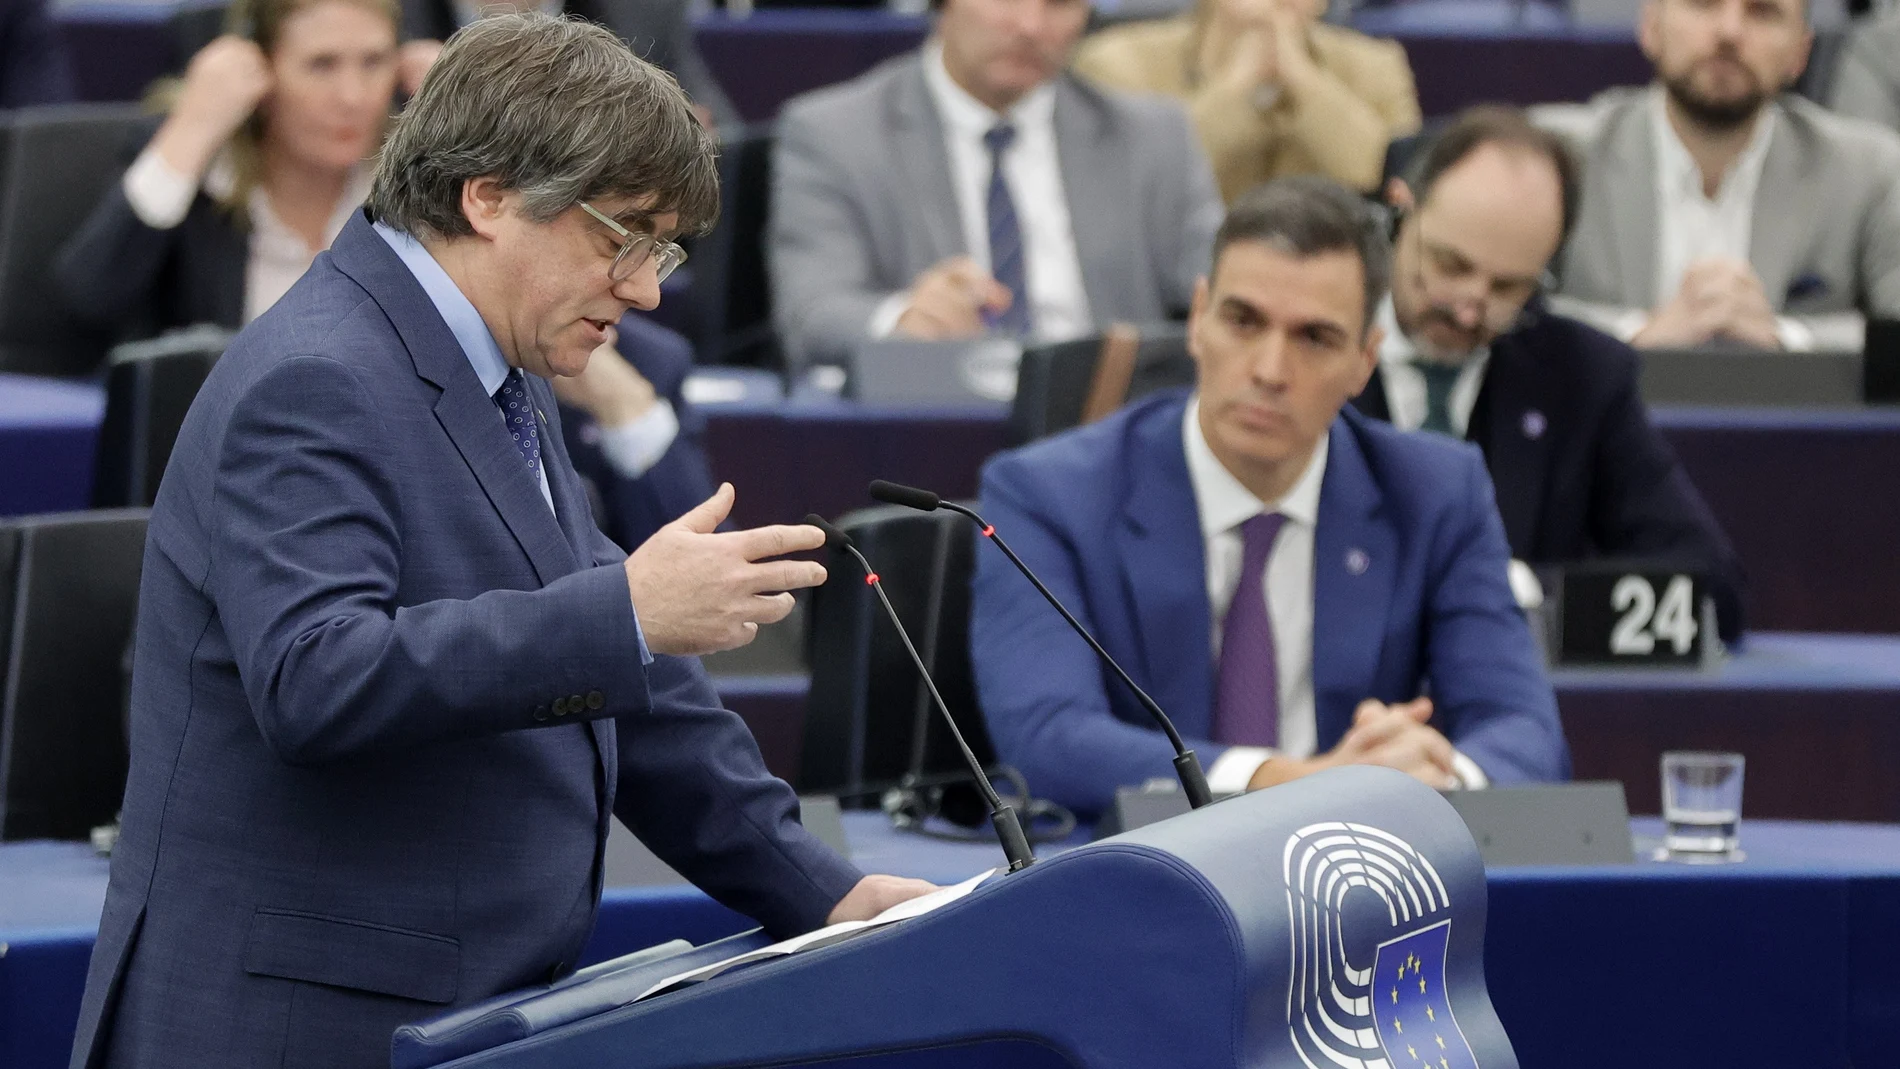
x=1336 y=922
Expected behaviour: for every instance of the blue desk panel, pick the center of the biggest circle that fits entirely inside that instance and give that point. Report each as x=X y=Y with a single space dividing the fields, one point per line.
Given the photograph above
x=48 y=430
x=1782 y=960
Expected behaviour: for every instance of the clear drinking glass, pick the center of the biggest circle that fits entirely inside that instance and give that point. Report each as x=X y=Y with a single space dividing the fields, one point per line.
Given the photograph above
x=1702 y=806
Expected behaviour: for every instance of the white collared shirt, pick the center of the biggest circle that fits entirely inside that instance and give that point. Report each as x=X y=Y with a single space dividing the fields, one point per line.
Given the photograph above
x=1224 y=504
x=1405 y=393
x=1692 y=226
x=278 y=256
x=1032 y=167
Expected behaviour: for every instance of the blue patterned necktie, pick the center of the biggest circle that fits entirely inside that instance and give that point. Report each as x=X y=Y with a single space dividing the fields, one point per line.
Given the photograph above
x=518 y=412
x=1006 y=236
x=1247 y=702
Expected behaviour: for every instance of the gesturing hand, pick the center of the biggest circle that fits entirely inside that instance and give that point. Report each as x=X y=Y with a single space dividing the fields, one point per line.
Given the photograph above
x=698 y=590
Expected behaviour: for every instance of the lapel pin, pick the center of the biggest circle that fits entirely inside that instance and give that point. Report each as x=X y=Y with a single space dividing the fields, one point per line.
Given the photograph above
x=1357 y=562
x=1534 y=424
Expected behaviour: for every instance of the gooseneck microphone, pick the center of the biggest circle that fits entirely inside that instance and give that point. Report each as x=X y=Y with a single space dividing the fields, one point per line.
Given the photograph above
x=1186 y=765
x=1009 y=829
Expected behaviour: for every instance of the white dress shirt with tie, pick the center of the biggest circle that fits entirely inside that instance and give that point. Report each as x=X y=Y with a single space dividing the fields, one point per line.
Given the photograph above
x=1405 y=394
x=1059 y=305
x=1224 y=504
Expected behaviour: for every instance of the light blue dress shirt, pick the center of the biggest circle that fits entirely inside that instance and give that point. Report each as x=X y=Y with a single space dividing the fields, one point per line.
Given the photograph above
x=478 y=345
x=464 y=322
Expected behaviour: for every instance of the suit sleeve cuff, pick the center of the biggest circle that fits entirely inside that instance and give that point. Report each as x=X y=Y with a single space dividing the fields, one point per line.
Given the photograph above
x=889 y=311
x=159 y=195
x=1470 y=776
x=634 y=447
x=1234 y=768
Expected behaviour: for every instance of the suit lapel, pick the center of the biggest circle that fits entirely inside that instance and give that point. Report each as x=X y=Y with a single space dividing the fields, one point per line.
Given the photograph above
x=918 y=142
x=1355 y=563
x=464 y=409
x=1629 y=180
x=1785 y=209
x=1093 y=177
x=577 y=524
x=571 y=508
x=1164 y=569
x=1515 y=438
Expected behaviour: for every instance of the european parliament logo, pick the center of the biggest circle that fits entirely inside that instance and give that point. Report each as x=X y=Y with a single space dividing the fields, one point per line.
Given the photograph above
x=1371 y=925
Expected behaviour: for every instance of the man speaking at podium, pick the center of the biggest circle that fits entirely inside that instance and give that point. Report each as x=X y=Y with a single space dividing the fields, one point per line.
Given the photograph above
x=391 y=683
x=1299 y=586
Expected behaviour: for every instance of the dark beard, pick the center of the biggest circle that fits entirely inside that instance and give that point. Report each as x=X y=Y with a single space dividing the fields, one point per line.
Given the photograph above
x=1717 y=116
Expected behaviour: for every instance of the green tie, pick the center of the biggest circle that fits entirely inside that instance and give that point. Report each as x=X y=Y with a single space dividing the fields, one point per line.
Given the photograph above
x=1440 y=379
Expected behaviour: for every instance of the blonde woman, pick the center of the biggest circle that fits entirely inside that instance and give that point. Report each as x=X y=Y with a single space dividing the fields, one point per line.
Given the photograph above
x=258 y=161
x=1272 y=90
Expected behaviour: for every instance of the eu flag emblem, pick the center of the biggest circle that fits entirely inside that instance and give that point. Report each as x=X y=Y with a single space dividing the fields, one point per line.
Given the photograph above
x=1411 y=1010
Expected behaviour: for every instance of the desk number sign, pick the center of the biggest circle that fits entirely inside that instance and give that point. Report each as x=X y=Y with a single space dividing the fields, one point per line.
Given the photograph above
x=1634 y=616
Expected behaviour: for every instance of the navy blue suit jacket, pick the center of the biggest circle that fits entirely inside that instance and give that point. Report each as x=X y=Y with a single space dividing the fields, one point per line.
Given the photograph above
x=1106 y=515
x=384 y=705
x=630 y=510
x=1581 y=473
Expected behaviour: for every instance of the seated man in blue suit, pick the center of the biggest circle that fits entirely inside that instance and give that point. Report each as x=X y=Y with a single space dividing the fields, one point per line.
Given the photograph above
x=635 y=440
x=391 y=684
x=1299 y=586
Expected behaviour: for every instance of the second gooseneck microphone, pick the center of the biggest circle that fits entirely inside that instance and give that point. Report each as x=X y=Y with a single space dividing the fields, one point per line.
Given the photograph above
x=1186 y=766
x=1009 y=828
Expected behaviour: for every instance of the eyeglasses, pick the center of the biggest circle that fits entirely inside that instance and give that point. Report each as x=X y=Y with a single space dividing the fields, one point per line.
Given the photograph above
x=635 y=249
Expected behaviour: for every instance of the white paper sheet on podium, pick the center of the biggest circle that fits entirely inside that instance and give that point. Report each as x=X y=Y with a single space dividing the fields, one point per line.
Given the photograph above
x=824 y=937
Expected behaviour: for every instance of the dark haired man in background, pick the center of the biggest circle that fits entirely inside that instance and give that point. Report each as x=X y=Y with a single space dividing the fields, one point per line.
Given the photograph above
x=1470 y=350
x=1300 y=586
x=1718 y=208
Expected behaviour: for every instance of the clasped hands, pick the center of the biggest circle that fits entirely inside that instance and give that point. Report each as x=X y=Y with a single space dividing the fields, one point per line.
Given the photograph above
x=1720 y=297
x=1392 y=736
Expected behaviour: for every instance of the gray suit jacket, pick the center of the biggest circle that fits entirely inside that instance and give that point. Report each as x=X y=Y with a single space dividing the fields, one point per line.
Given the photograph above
x=862 y=203
x=1867 y=83
x=1826 y=240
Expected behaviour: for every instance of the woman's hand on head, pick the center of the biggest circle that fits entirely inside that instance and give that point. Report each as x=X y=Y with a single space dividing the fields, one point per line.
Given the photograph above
x=224 y=84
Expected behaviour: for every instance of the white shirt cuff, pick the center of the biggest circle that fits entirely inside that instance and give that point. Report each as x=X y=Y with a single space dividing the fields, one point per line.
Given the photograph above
x=889 y=311
x=1235 y=767
x=1794 y=334
x=159 y=195
x=1470 y=776
x=1626 y=325
x=633 y=448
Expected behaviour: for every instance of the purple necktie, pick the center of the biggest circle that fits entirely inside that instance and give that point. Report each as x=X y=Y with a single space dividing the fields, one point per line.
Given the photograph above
x=1247 y=704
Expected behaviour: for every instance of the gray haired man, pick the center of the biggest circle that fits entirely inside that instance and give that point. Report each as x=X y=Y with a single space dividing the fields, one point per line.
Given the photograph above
x=392 y=685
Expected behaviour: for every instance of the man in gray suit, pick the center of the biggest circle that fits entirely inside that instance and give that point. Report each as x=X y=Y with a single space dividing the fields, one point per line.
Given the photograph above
x=1716 y=208
x=1867 y=83
x=977 y=187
